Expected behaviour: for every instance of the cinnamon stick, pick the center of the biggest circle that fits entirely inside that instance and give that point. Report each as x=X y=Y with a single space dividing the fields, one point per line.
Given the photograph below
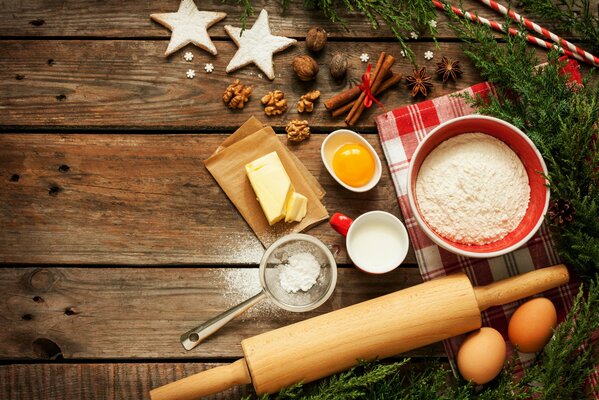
x=392 y=81
x=345 y=97
x=377 y=80
x=362 y=96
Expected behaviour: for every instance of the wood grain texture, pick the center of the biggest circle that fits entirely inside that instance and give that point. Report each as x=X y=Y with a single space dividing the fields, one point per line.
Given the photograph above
x=128 y=84
x=115 y=18
x=118 y=381
x=107 y=313
x=142 y=199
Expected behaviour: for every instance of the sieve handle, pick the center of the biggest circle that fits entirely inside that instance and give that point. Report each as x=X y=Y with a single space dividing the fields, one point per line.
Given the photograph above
x=195 y=336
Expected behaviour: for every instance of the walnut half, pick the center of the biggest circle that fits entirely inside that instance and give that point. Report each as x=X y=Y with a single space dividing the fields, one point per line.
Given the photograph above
x=236 y=95
x=275 y=103
x=297 y=131
x=306 y=102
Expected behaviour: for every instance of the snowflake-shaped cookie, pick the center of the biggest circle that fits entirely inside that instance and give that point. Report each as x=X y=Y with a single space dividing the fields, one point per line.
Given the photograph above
x=190 y=73
x=188 y=56
x=432 y=23
x=413 y=35
x=364 y=57
x=428 y=55
x=209 y=68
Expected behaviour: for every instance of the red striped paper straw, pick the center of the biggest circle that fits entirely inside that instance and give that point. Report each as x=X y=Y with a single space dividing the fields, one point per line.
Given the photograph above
x=513 y=32
x=588 y=57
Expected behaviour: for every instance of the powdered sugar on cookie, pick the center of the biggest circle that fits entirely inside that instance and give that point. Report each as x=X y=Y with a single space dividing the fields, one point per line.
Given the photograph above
x=189 y=25
x=257 y=45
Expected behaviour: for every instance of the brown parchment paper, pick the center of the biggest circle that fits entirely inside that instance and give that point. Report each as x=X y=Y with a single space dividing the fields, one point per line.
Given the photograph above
x=227 y=165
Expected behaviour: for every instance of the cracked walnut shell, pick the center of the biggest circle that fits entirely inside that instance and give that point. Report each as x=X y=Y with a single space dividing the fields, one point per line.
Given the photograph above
x=237 y=94
x=306 y=102
x=297 y=131
x=275 y=103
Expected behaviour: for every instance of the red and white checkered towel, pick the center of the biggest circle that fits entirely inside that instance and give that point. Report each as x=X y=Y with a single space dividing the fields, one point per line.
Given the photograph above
x=400 y=132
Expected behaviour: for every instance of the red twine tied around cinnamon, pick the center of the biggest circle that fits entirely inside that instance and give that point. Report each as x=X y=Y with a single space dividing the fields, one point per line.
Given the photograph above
x=365 y=87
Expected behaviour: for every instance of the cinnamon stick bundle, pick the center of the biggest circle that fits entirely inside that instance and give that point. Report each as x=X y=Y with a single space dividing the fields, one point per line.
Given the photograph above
x=351 y=101
x=383 y=65
x=346 y=97
x=389 y=82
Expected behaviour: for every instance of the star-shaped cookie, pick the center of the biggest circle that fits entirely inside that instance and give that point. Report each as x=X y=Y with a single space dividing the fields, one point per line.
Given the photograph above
x=257 y=45
x=189 y=25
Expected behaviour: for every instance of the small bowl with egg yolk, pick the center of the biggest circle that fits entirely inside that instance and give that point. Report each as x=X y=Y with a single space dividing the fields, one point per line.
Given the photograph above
x=351 y=160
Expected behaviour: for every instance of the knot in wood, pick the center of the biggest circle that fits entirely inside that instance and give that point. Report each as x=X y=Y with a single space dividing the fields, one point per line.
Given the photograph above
x=41 y=280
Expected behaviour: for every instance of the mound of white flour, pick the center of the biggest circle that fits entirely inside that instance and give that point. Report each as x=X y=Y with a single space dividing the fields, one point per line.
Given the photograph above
x=473 y=189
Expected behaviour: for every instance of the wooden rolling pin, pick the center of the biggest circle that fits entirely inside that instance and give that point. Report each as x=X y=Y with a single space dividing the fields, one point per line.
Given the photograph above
x=378 y=328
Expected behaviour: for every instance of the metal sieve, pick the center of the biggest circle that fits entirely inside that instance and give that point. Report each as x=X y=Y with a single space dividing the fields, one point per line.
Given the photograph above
x=277 y=254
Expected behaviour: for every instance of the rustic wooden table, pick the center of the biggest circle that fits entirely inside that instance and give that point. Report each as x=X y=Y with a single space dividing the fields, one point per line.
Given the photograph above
x=114 y=239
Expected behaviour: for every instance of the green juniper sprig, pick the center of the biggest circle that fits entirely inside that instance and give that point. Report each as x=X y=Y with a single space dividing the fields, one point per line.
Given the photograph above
x=561 y=119
x=248 y=10
x=559 y=373
x=402 y=17
x=570 y=357
x=571 y=16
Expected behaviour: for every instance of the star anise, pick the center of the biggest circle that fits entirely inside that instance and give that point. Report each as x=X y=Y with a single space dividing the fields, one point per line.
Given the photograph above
x=419 y=82
x=448 y=68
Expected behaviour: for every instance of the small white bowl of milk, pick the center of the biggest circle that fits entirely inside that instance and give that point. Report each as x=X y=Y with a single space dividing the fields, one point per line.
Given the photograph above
x=377 y=242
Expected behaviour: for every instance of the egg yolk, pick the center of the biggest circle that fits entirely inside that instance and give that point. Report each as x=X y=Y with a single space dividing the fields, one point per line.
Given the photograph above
x=353 y=164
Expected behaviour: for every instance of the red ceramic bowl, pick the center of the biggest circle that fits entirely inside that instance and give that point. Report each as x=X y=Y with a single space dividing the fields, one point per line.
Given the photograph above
x=530 y=157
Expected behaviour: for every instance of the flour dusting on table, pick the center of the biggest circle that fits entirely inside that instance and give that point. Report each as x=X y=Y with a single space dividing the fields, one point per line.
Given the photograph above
x=473 y=189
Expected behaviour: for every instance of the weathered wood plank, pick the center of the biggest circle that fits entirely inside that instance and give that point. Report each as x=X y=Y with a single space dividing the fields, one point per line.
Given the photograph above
x=129 y=84
x=115 y=18
x=118 y=381
x=121 y=313
x=99 y=381
x=142 y=199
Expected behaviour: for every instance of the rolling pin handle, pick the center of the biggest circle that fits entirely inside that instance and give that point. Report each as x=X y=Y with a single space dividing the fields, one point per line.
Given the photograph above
x=521 y=286
x=205 y=383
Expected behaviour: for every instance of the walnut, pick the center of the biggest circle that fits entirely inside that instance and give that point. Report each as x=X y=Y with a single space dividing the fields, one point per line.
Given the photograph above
x=338 y=66
x=275 y=103
x=316 y=39
x=297 y=131
x=305 y=67
x=237 y=94
x=306 y=102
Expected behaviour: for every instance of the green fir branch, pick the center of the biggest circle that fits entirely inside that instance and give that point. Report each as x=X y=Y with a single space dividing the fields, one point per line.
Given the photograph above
x=559 y=373
x=248 y=10
x=570 y=356
x=402 y=17
x=560 y=119
x=570 y=16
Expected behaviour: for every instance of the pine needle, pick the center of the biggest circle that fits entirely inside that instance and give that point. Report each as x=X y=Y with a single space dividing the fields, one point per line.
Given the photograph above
x=402 y=17
x=571 y=16
x=561 y=121
x=560 y=371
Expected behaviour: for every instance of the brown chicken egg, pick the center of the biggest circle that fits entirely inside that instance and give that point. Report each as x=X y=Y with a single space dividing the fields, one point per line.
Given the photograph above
x=532 y=325
x=482 y=355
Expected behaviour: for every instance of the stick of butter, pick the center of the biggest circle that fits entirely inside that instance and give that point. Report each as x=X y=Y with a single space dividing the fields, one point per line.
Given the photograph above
x=271 y=184
x=296 y=207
